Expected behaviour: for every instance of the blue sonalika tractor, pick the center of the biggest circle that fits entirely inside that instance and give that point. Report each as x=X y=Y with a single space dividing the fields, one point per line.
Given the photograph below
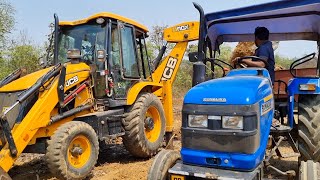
x=227 y=129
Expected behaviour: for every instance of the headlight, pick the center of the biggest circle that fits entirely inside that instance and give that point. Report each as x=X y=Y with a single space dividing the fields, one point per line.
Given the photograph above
x=232 y=122
x=198 y=121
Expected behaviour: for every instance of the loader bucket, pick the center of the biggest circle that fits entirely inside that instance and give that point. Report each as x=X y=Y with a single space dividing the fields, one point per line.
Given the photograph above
x=4 y=175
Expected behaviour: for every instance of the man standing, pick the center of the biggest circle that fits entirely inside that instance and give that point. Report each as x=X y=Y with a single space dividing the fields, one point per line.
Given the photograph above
x=264 y=51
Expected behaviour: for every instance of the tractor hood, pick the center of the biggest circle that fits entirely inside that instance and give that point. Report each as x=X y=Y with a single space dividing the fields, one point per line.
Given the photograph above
x=234 y=90
x=24 y=82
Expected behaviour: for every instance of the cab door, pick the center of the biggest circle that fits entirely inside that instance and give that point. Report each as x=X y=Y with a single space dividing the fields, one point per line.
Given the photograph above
x=124 y=66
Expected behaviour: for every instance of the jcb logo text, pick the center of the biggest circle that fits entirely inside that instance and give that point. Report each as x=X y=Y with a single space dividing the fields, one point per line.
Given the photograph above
x=71 y=81
x=182 y=28
x=168 y=71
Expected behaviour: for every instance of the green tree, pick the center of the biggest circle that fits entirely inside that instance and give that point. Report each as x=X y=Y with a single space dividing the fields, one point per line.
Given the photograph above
x=6 y=24
x=156 y=41
x=283 y=62
x=21 y=54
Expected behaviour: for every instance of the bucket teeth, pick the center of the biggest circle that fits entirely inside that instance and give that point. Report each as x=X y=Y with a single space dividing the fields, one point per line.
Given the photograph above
x=4 y=175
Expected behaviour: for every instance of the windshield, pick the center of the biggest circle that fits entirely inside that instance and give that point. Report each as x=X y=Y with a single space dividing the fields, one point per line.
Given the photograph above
x=87 y=38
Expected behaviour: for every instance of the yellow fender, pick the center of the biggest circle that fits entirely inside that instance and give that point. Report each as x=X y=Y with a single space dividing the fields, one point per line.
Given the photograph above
x=135 y=90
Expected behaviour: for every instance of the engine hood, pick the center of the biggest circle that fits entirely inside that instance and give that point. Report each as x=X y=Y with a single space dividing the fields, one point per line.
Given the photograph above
x=24 y=82
x=237 y=90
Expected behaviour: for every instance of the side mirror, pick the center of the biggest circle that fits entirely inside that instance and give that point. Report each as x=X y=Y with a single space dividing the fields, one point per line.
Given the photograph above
x=42 y=62
x=193 y=56
x=101 y=55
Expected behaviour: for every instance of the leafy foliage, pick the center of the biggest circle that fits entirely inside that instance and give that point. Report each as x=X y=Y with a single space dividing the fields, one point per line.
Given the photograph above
x=21 y=54
x=156 y=41
x=15 y=53
x=282 y=62
x=6 y=21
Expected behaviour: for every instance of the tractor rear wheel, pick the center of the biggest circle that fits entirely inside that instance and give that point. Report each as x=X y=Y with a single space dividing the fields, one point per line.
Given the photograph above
x=309 y=170
x=309 y=127
x=162 y=163
x=72 y=150
x=144 y=125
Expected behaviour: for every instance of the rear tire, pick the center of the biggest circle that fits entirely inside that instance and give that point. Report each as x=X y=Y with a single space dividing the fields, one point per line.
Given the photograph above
x=309 y=127
x=309 y=170
x=162 y=163
x=72 y=150
x=144 y=125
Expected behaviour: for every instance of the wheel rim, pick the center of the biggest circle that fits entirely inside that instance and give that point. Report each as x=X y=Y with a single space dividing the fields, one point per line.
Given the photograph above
x=79 y=151
x=152 y=124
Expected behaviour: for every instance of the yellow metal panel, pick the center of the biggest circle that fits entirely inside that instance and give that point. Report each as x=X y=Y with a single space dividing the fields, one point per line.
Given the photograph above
x=169 y=67
x=106 y=15
x=135 y=90
x=187 y=31
x=82 y=98
x=39 y=115
x=76 y=72
x=24 y=82
x=167 y=105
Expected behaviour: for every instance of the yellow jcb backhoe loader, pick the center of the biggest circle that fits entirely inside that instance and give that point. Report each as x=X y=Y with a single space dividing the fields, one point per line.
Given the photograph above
x=100 y=85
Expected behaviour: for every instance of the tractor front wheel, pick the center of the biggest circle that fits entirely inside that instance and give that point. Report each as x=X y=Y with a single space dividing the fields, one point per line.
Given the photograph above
x=162 y=163
x=309 y=170
x=144 y=125
x=72 y=150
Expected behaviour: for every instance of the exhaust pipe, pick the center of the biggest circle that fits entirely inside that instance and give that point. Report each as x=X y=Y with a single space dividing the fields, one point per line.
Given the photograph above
x=199 y=68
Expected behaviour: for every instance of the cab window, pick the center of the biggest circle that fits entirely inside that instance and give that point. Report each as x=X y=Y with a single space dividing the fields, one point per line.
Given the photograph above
x=142 y=55
x=129 y=60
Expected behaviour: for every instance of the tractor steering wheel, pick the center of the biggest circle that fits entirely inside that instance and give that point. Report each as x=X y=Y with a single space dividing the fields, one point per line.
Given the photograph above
x=256 y=58
x=219 y=63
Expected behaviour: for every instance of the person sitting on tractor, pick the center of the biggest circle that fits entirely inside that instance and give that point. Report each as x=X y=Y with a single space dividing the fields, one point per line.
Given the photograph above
x=264 y=52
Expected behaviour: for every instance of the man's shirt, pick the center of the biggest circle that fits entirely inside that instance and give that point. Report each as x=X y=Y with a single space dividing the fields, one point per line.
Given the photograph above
x=265 y=51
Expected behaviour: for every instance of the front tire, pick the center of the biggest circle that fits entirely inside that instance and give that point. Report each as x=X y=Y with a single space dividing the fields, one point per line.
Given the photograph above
x=309 y=170
x=144 y=125
x=162 y=163
x=72 y=150
x=309 y=127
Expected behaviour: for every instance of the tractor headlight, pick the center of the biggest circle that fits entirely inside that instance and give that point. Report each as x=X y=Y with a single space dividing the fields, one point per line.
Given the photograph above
x=232 y=122
x=200 y=121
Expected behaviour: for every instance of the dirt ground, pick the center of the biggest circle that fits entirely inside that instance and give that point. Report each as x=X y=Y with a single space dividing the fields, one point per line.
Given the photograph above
x=116 y=163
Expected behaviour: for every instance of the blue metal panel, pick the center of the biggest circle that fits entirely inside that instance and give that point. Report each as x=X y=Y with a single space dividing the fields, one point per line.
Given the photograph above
x=245 y=162
x=293 y=89
x=240 y=87
x=296 y=19
x=259 y=8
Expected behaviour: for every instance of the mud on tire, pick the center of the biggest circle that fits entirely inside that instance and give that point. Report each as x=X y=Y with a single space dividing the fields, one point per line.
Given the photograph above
x=138 y=139
x=72 y=151
x=309 y=170
x=309 y=127
x=164 y=160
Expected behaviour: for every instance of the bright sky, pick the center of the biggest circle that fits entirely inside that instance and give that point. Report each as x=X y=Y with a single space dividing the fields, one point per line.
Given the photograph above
x=34 y=16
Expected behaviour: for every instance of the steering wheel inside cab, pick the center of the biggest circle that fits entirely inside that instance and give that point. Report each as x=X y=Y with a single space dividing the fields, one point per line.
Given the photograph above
x=254 y=58
x=193 y=57
x=220 y=63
